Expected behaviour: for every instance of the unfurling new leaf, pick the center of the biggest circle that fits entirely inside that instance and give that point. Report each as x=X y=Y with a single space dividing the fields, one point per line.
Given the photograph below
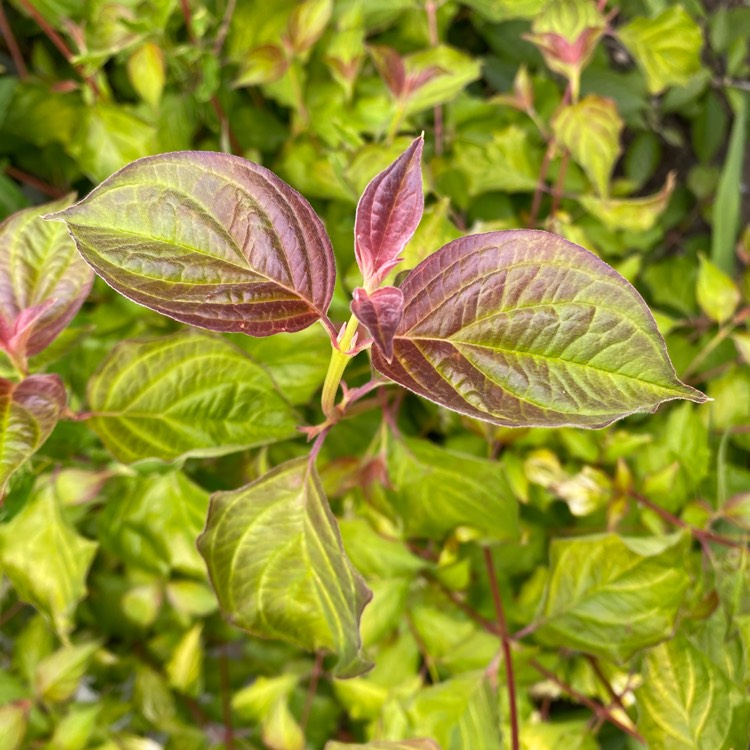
x=524 y=328
x=278 y=566
x=381 y=313
x=388 y=214
x=209 y=239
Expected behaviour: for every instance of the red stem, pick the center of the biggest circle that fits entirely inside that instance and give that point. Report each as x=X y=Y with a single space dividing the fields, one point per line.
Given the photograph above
x=700 y=534
x=187 y=14
x=536 y=202
x=12 y=44
x=317 y=670
x=40 y=185
x=430 y=7
x=597 y=708
x=224 y=123
x=505 y=640
x=226 y=700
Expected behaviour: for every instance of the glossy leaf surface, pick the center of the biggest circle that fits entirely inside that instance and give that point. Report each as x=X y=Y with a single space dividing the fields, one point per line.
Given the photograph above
x=388 y=214
x=381 y=313
x=524 y=328
x=43 y=280
x=611 y=596
x=439 y=490
x=278 y=566
x=189 y=394
x=209 y=239
x=29 y=411
x=45 y=558
x=686 y=702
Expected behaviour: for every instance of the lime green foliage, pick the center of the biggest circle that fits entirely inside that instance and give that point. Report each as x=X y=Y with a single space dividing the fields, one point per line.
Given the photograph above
x=618 y=555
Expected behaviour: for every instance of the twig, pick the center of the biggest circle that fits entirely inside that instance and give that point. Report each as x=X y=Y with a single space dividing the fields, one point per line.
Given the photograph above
x=59 y=42
x=597 y=708
x=12 y=44
x=557 y=191
x=536 y=201
x=187 y=14
x=430 y=7
x=701 y=535
x=469 y=611
x=11 y=612
x=505 y=641
x=224 y=124
x=40 y=185
x=317 y=670
x=224 y=28
x=226 y=700
x=617 y=699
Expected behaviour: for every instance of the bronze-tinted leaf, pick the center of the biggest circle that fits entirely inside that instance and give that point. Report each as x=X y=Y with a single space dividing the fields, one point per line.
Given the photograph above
x=380 y=312
x=523 y=327
x=29 y=410
x=388 y=214
x=43 y=280
x=209 y=239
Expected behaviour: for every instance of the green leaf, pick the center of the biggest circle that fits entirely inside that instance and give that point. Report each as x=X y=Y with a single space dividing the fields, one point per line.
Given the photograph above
x=185 y=666
x=590 y=130
x=152 y=522
x=108 y=137
x=460 y=713
x=29 y=411
x=666 y=47
x=508 y=162
x=45 y=558
x=57 y=676
x=502 y=10
x=612 y=596
x=439 y=490
x=13 y=723
x=278 y=566
x=456 y=71
x=188 y=394
x=297 y=361
x=418 y=744
x=630 y=214
x=718 y=296
x=146 y=71
x=687 y=703
x=726 y=208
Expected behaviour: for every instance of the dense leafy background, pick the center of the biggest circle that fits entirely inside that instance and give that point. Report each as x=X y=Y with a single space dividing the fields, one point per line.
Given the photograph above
x=620 y=554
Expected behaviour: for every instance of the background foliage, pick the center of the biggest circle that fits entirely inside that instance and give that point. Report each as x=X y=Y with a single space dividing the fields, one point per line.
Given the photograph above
x=619 y=555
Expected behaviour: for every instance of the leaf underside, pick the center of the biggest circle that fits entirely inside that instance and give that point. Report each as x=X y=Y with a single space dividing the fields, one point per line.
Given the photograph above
x=209 y=239
x=523 y=328
x=277 y=563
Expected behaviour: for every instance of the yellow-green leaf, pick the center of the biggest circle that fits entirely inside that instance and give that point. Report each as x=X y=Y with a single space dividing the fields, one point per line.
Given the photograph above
x=666 y=47
x=718 y=296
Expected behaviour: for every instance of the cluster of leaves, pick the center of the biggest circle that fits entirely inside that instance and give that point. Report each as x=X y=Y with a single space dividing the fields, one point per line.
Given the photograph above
x=531 y=587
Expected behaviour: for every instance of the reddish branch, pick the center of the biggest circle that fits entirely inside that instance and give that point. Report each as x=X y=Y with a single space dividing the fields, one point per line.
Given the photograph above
x=58 y=41
x=40 y=185
x=702 y=535
x=505 y=641
x=312 y=689
x=600 y=711
x=12 y=45
x=431 y=7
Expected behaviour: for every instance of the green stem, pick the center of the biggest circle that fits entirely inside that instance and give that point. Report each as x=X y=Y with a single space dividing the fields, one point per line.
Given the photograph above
x=339 y=360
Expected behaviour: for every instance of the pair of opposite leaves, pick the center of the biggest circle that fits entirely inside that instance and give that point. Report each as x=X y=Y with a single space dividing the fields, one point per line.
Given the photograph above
x=517 y=327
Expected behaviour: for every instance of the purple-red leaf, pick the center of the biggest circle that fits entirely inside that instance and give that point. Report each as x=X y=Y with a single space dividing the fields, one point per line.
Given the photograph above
x=380 y=312
x=388 y=213
x=209 y=239
x=29 y=410
x=43 y=281
x=523 y=328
